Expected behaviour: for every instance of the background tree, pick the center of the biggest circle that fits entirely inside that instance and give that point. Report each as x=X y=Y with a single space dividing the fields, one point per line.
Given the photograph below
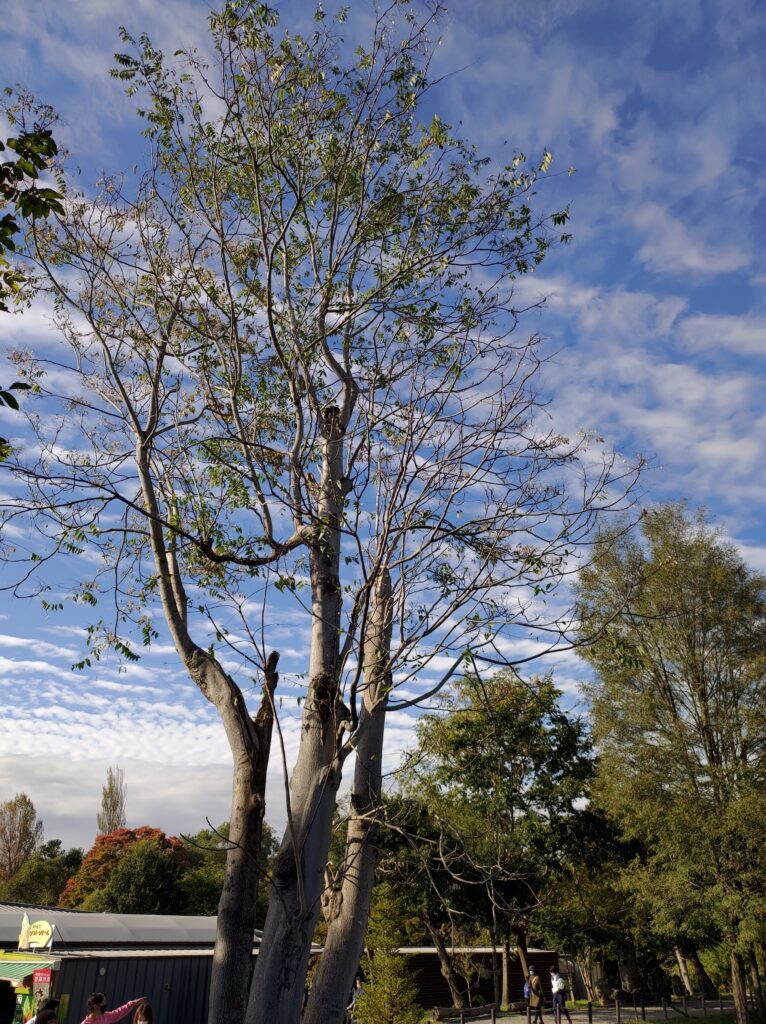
x=291 y=345
x=502 y=769
x=390 y=986
x=678 y=707
x=204 y=870
x=42 y=878
x=144 y=880
x=20 y=834
x=113 y=794
x=84 y=888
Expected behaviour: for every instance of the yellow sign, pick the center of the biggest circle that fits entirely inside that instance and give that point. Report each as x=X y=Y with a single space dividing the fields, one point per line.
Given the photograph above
x=40 y=935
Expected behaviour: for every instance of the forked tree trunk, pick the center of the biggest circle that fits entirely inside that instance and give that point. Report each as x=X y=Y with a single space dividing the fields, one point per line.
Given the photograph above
x=445 y=962
x=586 y=968
x=347 y=906
x=277 y=990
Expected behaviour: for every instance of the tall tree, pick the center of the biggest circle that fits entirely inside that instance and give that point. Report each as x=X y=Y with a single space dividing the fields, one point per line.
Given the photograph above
x=21 y=832
x=292 y=345
x=113 y=795
x=502 y=769
x=678 y=704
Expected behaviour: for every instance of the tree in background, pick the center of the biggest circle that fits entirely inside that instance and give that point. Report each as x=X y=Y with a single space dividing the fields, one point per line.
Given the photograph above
x=679 y=709
x=390 y=987
x=144 y=880
x=204 y=870
x=84 y=888
x=293 y=347
x=21 y=833
x=113 y=794
x=43 y=877
x=502 y=770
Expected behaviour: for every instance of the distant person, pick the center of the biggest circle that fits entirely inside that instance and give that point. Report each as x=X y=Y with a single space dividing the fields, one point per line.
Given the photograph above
x=144 y=1014
x=97 y=1010
x=536 y=995
x=356 y=992
x=558 y=988
x=44 y=1007
x=527 y=992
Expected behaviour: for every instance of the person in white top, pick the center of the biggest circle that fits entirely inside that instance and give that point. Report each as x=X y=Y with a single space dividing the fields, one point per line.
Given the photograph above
x=49 y=1004
x=558 y=988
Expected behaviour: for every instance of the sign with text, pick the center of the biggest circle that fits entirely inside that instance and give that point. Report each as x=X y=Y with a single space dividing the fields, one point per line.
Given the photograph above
x=40 y=934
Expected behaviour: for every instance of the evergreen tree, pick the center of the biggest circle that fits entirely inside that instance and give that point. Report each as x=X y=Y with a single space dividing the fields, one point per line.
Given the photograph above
x=390 y=988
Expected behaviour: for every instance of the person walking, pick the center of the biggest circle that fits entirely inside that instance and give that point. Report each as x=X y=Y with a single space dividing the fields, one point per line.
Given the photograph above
x=97 y=1011
x=536 y=995
x=527 y=993
x=558 y=988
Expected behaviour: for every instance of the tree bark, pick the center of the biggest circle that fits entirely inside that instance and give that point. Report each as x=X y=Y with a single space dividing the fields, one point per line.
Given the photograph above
x=505 y=999
x=681 y=959
x=277 y=990
x=738 y=988
x=755 y=978
x=704 y=981
x=232 y=955
x=445 y=963
x=347 y=906
x=587 y=976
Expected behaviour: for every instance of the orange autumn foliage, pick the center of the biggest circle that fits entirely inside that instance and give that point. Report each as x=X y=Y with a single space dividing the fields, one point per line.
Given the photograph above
x=104 y=856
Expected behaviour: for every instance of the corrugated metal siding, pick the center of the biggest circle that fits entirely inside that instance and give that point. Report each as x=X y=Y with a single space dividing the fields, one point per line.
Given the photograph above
x=177 y=987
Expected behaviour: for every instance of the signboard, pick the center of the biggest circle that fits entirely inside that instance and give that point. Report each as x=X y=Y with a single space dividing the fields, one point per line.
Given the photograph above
x=42 y=976
x=24 y=933
x=40 y=934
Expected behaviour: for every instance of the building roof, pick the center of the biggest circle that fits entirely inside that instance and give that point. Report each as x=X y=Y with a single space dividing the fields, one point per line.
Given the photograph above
x=115 y=931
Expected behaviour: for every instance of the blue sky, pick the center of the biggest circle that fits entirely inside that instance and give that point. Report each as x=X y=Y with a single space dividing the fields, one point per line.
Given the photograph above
x=655 y=320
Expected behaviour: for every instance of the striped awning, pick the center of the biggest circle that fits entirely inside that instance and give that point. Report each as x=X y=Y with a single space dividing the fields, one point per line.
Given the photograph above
x=16 y=970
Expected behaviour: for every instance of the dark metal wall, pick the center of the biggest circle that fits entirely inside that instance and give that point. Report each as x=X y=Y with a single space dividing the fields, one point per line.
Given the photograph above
x=434 y=991
x=177 y=986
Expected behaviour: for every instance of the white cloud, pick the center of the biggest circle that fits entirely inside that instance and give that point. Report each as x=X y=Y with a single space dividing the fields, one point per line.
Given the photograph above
x=671 y=247
x=745 y=335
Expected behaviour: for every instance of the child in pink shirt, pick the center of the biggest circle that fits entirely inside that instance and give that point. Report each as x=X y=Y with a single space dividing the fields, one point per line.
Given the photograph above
x=97 y=1010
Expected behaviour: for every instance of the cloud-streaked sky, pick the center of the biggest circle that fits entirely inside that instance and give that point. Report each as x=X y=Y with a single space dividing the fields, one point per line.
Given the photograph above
x=655 y=320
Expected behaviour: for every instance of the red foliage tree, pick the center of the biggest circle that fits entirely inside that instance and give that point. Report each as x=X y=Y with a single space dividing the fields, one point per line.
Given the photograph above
x=104 y=856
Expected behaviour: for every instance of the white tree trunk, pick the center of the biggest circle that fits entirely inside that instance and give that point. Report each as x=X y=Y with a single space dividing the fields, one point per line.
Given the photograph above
x=347 y=907
x=683 y=971
x=277 y=991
